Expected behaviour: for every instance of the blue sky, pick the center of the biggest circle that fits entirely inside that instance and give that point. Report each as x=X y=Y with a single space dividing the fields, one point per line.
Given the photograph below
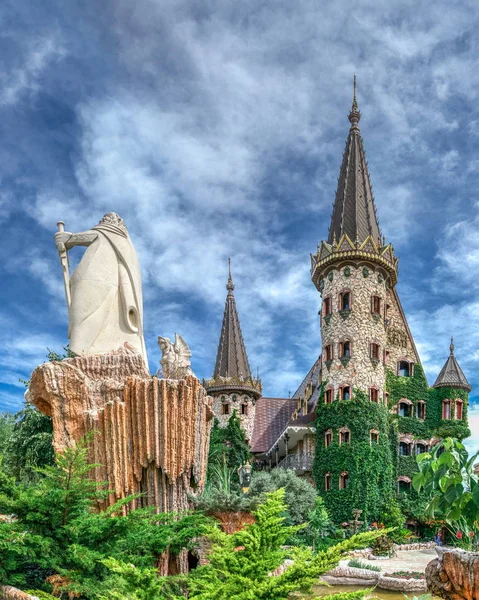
x=216 y=129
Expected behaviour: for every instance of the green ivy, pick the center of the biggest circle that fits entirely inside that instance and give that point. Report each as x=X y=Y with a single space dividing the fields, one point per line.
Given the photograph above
x=369 y=465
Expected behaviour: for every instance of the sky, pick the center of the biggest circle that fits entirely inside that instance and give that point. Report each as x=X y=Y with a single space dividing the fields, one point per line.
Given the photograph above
x=216 y=129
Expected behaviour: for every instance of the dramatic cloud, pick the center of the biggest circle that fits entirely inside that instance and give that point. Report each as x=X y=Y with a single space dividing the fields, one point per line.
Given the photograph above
x=216 y=129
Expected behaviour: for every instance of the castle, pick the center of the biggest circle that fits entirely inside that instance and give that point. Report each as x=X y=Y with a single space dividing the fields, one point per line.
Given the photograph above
x=365 y=409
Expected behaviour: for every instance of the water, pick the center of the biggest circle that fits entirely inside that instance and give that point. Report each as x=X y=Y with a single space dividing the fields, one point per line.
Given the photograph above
x=324 y=591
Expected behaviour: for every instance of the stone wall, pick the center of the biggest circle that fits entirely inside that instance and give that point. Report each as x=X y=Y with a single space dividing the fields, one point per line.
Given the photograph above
x=235 y=400
x=362 y=328
x=152 y=435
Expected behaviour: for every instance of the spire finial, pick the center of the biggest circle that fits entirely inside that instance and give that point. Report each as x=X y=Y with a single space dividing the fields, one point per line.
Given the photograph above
x=354 y=115
x=451 y=347
x=230 y=285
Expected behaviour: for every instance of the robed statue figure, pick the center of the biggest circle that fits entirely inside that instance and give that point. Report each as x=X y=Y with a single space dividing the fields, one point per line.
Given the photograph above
x=104 y=292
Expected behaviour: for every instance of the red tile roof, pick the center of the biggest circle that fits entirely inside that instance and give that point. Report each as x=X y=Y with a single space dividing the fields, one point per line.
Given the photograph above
x=272 y=415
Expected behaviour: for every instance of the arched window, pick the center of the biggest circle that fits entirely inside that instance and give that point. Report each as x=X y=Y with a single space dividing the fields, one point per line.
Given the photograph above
x=446 y=409
x=458 y=410
x=328 y=438
x=404 y=409
x=345 y=392
x=345 y=301
x=327 y=482
x=404 y=449
x=374 y=436
x=404 y=484
x=343 y=480
x=376 y=305
x=421 y=448
x=345 y=349
x=327 y=306
x=244 y=409
x=421 y=410
x=328 y=352
x=328 y=396
x=374 y=395
x=404 y=368
x=344 y=436
x=226 y=408
x=374 y=351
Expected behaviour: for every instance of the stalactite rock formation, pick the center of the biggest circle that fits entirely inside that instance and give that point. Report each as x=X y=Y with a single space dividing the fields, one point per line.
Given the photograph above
x=454 y=575
x=151 y=435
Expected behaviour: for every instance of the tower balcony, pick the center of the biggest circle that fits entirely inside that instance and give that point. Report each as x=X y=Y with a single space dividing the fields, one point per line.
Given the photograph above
x=347 y=252
x=221 y=384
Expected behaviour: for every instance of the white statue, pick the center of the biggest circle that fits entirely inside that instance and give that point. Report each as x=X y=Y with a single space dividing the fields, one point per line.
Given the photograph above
x=176 y=359
x=104 y=294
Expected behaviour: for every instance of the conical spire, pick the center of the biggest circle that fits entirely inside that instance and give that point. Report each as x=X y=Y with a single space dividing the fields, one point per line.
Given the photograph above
x=354 y=212
x=231 y=360
x=451 y=374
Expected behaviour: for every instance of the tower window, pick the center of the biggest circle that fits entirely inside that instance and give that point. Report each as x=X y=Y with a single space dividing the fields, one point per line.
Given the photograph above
x=328 y=438
x=420 y=448
x=328 y=396
x=404 y=409
x=343 y=481
x=374 y=395
x=244 y=409
x=345 y=301
x=374 y=351
x=404 y=484
x=345 y=392
x=421 y=410
x=376 y=305
x=404 y=449
x=226 y=409
x=404 y=368
x=328 y=352
x=459 y=411
x=327 y=307
x=345 y=349
x=446 y=409
x=386 y=398
x=344 y=436
x=374 y=436
x=327 y=482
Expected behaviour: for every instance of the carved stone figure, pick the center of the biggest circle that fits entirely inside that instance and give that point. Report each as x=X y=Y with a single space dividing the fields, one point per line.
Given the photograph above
x=176 y=360
x=104 y=293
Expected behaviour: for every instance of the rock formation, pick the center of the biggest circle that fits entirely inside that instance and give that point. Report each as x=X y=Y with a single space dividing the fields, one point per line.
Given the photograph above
x=454 y=575
x=152 y=435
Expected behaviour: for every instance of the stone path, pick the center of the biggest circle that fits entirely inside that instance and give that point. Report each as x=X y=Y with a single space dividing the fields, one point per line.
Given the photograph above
x=406 y=560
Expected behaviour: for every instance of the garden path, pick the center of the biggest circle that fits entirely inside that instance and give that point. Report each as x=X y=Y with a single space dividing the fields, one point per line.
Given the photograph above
x=405 y=560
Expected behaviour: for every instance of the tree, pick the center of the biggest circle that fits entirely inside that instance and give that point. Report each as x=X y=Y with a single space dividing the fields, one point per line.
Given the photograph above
x=29 y=445
x=228 y=446
x=58 y=531
x=299 y=497
x=447 y=474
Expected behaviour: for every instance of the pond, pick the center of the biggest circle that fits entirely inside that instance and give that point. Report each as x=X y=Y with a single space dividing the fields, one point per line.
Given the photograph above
x=324 y=591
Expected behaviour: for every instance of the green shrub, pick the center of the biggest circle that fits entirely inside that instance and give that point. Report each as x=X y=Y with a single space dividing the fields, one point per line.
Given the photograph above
x=358 y=564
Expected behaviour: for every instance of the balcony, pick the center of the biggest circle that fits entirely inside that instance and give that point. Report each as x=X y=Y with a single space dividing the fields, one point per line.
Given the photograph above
x=297 y=462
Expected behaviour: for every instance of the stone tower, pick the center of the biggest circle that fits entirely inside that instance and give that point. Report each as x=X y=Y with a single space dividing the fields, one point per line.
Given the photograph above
x=232 y=386
x=363 y=328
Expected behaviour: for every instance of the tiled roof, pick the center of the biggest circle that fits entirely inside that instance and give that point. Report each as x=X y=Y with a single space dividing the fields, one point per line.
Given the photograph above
x=354 y=212
x=272 y=415
x=451 y=374
x=231 y=360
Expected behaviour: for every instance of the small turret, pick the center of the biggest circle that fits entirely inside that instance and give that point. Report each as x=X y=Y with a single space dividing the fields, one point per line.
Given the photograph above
x=451 y=374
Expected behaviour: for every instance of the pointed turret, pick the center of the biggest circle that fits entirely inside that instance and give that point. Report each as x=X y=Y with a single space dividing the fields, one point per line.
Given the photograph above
x=232 y=386
x=451 y=374
x=231 y=360
x=354 y=211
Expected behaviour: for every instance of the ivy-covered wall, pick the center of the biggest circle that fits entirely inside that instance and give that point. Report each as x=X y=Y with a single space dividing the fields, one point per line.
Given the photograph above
x=369 y=465
x=374 y=468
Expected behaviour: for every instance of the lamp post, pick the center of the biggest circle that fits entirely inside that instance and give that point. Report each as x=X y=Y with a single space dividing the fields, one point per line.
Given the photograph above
x=244 y=474
x=276 y=451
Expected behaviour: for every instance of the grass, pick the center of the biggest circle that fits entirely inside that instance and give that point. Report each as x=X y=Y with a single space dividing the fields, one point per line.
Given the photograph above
x=358 y=564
